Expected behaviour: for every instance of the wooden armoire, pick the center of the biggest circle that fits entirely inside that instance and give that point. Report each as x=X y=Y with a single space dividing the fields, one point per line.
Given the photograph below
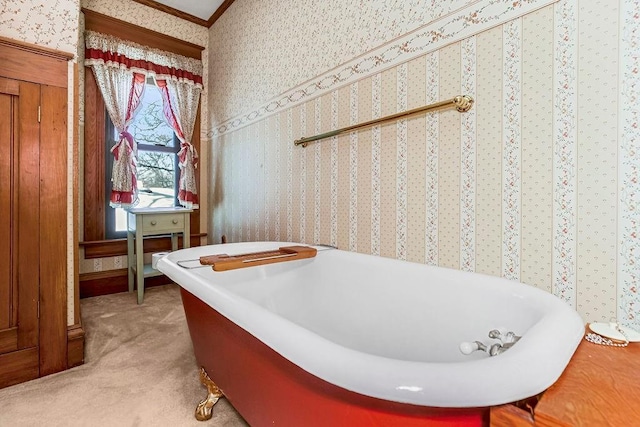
x=34 y=337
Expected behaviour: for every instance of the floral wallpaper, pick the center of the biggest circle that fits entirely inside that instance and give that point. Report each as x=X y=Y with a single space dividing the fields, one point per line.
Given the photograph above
x=53 y=24
x=537 y=183
x=461 y=23
x=629 y=164
x=296 y=33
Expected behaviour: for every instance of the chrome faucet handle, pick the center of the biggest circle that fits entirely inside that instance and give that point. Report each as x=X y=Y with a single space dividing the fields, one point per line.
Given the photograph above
x=508 y=338
x=511 y=338
x=496 y=349
x=495 y=334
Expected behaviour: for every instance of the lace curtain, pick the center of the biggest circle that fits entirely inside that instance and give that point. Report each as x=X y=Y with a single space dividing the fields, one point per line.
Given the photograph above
x=122 y=92
x=180 y=105
x=121 y=68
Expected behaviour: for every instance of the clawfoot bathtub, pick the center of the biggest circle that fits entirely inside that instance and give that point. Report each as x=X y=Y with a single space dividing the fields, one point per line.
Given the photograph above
x=346 y=339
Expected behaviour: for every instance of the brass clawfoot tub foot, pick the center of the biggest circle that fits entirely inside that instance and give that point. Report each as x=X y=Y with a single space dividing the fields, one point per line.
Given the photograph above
x=205 y=407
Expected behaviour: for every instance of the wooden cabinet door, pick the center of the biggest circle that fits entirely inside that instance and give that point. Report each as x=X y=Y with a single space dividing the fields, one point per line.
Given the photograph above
x=19 y=230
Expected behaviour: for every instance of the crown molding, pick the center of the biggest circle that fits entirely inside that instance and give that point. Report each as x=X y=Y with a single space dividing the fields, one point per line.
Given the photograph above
x=175 y=12
x=186 y=16
x=218 y=13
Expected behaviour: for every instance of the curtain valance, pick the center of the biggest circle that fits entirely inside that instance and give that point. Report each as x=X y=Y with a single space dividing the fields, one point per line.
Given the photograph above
x=114 y=52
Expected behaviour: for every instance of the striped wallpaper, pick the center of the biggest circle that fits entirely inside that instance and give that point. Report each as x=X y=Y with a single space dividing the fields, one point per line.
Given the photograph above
x=539 y=182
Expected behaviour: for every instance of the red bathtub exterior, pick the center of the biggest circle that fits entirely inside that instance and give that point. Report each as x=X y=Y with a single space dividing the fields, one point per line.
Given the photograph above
x=268 y=390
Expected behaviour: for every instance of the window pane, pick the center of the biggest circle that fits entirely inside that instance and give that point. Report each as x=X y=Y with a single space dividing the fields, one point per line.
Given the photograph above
x=156 y=183
x=156 y=178
x=121 y=219
x=156 y=161
x=149 y=126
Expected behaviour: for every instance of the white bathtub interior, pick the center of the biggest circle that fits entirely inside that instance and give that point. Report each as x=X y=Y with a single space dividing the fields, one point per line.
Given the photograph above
x=343 y=311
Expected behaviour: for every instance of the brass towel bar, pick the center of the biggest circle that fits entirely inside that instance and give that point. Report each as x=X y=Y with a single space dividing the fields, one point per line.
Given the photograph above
x=462 y=103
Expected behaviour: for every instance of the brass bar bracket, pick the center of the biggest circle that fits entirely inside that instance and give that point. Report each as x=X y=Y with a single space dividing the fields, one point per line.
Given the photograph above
x=461 y=103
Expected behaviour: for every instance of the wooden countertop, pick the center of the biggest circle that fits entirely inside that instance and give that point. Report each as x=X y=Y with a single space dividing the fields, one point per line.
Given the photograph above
x=599 y=387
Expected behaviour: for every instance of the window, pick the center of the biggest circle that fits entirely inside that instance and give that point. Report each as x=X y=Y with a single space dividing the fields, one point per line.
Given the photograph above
x=157 y=161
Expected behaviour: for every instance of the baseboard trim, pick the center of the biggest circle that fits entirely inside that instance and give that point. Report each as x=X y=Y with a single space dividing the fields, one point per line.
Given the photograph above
x=75 y=345
x=113 y=282
x=19 y=366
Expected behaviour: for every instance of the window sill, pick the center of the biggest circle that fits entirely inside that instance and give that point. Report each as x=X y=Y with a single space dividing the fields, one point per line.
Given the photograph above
x=118 y=247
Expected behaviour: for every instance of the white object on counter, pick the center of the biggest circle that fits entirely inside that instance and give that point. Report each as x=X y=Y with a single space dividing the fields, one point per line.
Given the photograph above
x=155 y=258
x=609 y=330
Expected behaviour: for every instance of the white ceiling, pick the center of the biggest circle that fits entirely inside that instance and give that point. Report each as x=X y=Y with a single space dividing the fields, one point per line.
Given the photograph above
x=201 y=8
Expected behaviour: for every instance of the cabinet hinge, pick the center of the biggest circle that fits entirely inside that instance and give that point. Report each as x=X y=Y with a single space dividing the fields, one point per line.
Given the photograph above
x=38 y=114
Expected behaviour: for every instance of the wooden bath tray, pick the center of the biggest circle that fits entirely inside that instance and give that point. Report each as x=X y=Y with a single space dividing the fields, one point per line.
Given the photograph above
x=223 y=262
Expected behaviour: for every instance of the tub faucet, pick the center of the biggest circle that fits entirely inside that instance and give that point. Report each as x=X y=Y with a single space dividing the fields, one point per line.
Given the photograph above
x=507 y=341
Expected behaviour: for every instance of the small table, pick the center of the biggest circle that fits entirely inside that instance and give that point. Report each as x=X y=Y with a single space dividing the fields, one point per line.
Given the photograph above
x=142 y=222
x=599 y=387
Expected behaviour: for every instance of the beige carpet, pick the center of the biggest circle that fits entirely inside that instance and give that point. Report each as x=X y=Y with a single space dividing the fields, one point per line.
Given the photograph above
x=139 y=371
